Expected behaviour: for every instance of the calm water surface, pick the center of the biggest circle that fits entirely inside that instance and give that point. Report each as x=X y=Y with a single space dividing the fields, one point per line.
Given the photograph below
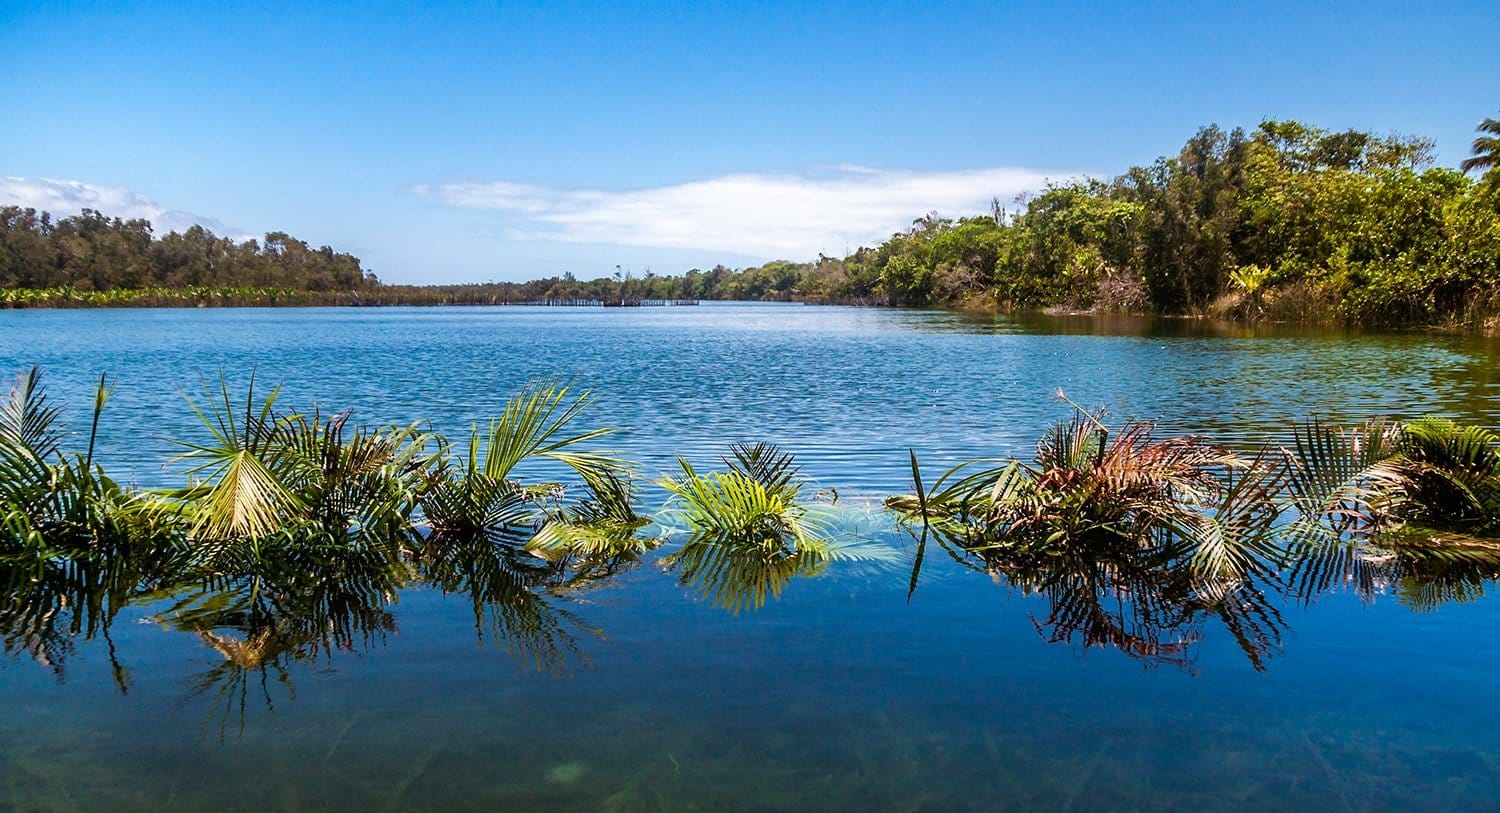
x=642 y=695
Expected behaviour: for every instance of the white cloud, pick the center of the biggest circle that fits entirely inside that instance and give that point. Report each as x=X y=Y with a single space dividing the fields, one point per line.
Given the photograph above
x=63 y=198
x=793 y=216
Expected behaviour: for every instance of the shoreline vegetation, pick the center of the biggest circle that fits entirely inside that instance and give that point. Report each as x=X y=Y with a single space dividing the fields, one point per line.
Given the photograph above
x=1286 y=222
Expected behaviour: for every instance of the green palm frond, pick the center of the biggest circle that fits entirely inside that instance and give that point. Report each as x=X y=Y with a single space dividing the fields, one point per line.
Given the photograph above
x=969 y=489
x=534 y=424
x=1470 y=451
x=353 y=479
x=731 y=504
x=26 y=418
x=1345 y=479
x=456 y=499
x=1236 y=539
x=749 y=534
x=1486 y=148
x=766 y=464
x=601 y=525
x=238 y=487
x=245 y=499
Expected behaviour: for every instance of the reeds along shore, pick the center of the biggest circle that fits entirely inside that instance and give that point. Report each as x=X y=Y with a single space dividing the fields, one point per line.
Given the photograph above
x=242 y=297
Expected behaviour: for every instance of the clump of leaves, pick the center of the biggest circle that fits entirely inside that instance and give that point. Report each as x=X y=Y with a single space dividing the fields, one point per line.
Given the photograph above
x=750 y=531
x=1363 y=479
x=1087 y=491
x=755 y=501
x=264 y=475
x=483 y=492
x=49 y=499
x=1133 y=541
x=601 y=527
x=1410 y=506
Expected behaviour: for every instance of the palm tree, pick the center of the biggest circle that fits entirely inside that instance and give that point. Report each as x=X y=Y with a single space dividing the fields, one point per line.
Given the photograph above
x=1486 y=148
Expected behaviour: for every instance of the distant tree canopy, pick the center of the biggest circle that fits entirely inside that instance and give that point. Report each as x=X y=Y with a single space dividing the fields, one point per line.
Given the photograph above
x=1286 y=221
x=92 y=252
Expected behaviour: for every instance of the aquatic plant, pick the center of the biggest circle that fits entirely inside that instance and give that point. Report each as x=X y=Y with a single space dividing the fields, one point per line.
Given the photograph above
x=268 y=485
x=1086 y=491
x=601 y=526
x=51 y=499
x=1134 y=542
x=295 y=530
x=1432 y=473
x=1411 y=507
x=481 y=491
x=749 y=532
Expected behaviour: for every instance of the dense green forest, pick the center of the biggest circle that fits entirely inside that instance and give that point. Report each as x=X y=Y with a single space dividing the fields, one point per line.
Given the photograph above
x=1287 y=221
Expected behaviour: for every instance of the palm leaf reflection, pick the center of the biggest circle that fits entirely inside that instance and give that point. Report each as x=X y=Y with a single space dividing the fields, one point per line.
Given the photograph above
x=75 y=546
x=52 y=597
x=1407 y=508
x=1424 y=569
x=283 y=600
x=508 y=588
x=538 y=553
x=1149 y=603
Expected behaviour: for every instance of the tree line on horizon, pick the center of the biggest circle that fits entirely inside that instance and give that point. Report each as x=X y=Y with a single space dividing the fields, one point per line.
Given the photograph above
x=1286 y=221
x=92 y=252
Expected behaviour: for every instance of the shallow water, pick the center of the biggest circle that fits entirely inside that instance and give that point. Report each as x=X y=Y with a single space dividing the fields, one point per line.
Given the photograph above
x=839 y=694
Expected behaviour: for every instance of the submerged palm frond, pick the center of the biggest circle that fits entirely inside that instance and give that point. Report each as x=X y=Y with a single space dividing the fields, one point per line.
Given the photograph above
x=509 y=589
x=481 y=490
x=732 y=504
x=603 y=524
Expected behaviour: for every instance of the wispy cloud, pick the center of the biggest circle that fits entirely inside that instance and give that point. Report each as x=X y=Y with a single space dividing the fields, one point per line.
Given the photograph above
x=63 y=198
x=794 y=216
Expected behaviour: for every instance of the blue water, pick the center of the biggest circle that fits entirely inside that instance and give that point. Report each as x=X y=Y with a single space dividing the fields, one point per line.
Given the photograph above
x=840 y=694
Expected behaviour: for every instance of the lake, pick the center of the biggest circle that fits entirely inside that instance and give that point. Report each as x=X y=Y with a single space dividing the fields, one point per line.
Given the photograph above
x=843 y=692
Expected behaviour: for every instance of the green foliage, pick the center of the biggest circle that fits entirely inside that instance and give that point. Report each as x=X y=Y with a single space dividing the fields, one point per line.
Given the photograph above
x=1284 y=220
x=1086 y=491
x=296 y=531
x=750 y=534
x=1380 y=476
x=481 y=492
x=1136 y=542
x=1486 y=149
x=82 y=257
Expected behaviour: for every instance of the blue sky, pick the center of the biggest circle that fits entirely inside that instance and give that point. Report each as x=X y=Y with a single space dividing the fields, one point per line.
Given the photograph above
x=467 y=142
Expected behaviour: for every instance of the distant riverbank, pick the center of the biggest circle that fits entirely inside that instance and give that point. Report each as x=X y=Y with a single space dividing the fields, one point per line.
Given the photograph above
x=1283 y=223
